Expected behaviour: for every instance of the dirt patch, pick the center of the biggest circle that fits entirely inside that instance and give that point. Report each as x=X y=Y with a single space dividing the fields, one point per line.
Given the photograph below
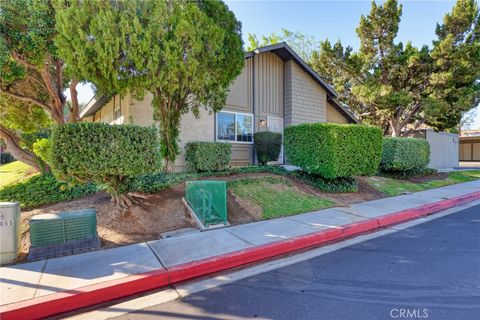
x=430 y=177
x=156 y=214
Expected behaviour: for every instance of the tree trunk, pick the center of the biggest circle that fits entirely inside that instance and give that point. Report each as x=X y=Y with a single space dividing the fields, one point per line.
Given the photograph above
x=23 y=155
x=168 y=113
x=394 y=128
x=123 y=201
x=74 y=109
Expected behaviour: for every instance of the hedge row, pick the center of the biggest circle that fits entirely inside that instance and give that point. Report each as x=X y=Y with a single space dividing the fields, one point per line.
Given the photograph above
x=334 y=150
x=104 y=154
x=405 y=154
x=207 y=156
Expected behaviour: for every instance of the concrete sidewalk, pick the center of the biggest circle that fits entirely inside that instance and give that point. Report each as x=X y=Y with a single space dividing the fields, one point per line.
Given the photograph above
x=69 y=274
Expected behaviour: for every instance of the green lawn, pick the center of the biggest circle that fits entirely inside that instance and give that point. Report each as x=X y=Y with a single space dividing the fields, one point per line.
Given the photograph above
x=15 y=172
x=276 y=196
x=393 y=187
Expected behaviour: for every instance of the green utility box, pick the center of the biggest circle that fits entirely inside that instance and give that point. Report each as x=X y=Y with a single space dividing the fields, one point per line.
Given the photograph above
x=56 y=235
x=47 y=229
x=208 y=199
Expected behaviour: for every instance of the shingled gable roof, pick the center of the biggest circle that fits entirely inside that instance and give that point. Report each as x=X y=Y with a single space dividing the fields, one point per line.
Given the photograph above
x=284 y=52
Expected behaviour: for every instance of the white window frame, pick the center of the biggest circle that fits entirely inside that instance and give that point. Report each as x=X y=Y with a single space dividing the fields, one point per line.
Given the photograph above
x=235 y=121
x=115 y=109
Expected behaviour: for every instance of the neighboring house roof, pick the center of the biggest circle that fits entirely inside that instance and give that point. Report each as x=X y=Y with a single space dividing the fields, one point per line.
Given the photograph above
x=282 y=50
x=95 y=104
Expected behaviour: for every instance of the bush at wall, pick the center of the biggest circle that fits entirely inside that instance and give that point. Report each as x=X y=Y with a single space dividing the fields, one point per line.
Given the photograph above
x=404 y=154
x=207 y=156
x=334 y=150
x=267 y=146
x=110 y=156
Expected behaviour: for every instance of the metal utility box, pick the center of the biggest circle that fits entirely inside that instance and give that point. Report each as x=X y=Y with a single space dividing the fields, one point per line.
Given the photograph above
x=208 y=199
x=10 y=238
x=50 y=228
x=56 y=235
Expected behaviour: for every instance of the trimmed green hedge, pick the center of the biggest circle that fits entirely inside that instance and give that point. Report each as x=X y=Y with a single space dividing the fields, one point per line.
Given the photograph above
x=405 y=154
x=105 y=154
x=207 y=156
x=44 y=189
x=334 y=150
x=267 y=146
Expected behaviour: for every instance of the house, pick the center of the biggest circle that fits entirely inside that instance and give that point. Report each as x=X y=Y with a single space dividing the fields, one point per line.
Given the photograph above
x=470 y=147
x=275 y=89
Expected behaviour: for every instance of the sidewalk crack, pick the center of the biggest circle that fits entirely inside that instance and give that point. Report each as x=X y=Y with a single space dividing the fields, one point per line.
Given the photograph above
x=40 y=279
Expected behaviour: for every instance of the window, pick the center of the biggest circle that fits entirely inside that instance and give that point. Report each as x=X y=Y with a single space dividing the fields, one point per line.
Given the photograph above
x=117 y=112
x=234 y=127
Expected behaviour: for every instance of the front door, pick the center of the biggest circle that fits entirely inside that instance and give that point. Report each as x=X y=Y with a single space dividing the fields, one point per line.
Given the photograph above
x=275 y=124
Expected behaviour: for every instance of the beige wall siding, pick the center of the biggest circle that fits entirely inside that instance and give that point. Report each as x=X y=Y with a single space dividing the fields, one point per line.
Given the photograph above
x=240 y=97
x=305 y=100
x=334 y=116
x=193 y=129
x=140 y=112
x=241 y=154
x=268 y=85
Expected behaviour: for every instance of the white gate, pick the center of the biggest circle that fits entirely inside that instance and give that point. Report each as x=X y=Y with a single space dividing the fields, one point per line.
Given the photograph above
x=275 y=124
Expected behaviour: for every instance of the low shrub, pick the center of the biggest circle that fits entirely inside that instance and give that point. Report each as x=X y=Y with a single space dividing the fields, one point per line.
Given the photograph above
x=407 y=174
x=44 y=189
x=336 y=185
x=405 y=154
x=110 y=156
x=43 y=149
x=334 y=150
x=207 y=156
x=267 y=146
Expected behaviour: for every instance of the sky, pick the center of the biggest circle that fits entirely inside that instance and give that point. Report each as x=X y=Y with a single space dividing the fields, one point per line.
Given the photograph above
x=333 y=20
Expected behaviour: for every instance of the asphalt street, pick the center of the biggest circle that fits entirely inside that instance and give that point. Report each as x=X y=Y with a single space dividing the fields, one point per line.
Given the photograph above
x=429 y=271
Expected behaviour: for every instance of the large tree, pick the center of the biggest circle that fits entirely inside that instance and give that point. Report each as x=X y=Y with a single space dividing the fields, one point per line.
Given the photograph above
x=397 y=86
x=32 y=73
x=303 y=44
x=185 y=53
x=455 y=80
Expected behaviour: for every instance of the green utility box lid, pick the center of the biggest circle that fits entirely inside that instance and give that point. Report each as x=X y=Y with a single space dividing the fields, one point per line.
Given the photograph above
x=54 y=228
x=208 y=200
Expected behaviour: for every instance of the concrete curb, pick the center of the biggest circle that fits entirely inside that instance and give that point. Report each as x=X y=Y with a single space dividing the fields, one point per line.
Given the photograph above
x=70 y=300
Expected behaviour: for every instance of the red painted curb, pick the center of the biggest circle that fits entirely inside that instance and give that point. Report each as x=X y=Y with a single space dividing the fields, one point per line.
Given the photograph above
x=70 y=300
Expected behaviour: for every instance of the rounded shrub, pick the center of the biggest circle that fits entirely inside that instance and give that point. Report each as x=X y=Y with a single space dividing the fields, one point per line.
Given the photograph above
x=334 y=150
x=267 y=146
x=108 y=155
x=405 y=154
x=207 y=156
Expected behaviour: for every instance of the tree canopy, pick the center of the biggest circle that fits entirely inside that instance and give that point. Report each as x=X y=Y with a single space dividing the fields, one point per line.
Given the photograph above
x=303 y=44
x=397 y=86
x=184 y=53
x=33 y=77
